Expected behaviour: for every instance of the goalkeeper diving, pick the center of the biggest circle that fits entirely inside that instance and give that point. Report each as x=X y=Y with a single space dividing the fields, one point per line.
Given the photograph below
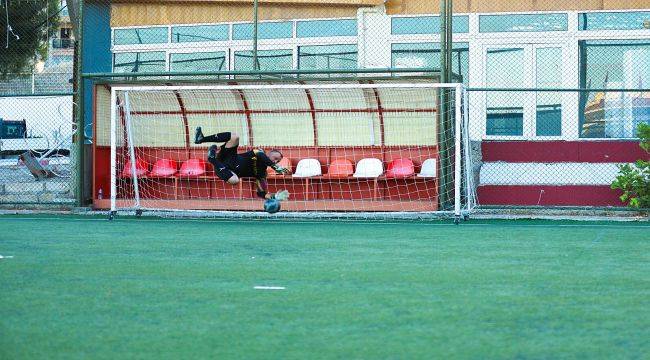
x=231 y=166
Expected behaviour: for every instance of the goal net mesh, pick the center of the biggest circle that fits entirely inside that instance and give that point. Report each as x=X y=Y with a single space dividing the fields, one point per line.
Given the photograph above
x=367 y=150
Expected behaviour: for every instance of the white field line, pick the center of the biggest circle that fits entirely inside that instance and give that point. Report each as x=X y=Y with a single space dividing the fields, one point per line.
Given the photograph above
x=269 y=288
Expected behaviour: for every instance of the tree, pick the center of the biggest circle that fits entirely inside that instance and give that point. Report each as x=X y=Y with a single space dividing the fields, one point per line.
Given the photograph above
x=31 y=22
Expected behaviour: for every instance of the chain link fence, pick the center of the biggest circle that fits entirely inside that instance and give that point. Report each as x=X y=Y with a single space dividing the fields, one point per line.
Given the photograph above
x=556 y=91
x=37 y=154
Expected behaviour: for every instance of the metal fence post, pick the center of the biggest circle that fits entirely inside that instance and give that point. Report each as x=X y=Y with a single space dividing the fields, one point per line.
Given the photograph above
x=81 y=137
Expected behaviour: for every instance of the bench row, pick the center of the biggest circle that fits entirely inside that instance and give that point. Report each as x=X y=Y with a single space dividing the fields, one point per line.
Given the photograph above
x=306 y=168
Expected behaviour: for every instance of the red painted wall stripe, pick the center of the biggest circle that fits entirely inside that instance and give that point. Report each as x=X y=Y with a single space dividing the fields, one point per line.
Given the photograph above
x=562 y=151
x=548 y=195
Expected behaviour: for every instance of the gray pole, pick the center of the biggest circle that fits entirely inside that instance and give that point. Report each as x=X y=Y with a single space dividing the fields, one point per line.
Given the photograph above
x=256 y=64
x=445 y=127
x=80 y=113
x=443 y=41
x=449 y=42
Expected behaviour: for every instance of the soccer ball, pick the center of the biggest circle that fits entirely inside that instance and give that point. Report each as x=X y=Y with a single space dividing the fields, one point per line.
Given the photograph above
x=271 y=206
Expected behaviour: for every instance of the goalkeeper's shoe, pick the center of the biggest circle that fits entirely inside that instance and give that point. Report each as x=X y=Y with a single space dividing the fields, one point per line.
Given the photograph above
x=212 y=152
x=198 y=135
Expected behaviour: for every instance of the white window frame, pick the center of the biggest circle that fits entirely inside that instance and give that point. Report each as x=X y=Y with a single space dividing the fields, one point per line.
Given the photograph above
x=520 y=34
x=139 y=47
x=429 y=38
x=530 y=98
x=640 y=33
x=528 y=82
x=194 y=50
x=232 y=30
x=260 y=47
x=231 y=46
x=570 y=74
x=198 y=44
x=140 y=51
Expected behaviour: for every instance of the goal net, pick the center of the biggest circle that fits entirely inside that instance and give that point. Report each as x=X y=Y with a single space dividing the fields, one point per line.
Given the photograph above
x=372 y=149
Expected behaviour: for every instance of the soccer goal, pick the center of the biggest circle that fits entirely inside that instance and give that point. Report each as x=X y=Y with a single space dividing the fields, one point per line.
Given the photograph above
x=370 y=149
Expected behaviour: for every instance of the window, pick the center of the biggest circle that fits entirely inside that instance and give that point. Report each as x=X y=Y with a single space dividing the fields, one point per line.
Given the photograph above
x=205 y=61
x=615 y=20
x=427 y=55
x=614 y=64
x=327 y=57
x=199 y=33
x=505 y=112
x=267 y=59
x=265 y=30
x=524 y=113
x=155 y=35
x=139 y=62
x=523 y=23
x=65 y=33
x=327 y=28
x=548 y=64
x=426 y=25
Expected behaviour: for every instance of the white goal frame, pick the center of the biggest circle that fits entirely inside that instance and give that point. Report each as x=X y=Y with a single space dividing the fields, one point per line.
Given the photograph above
x=462 y=145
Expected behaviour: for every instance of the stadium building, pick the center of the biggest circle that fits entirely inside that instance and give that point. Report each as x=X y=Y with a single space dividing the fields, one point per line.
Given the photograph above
x=550 y=148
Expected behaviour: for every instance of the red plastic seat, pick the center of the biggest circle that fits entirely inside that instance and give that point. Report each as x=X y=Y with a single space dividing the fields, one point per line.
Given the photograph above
x=400 y=168
x=340 y=168
x=164 y=168
x=285 y=163
x=141 y=168
x=193 y=168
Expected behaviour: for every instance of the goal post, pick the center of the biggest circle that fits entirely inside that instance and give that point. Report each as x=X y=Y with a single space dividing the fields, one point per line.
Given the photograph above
x=369 y=149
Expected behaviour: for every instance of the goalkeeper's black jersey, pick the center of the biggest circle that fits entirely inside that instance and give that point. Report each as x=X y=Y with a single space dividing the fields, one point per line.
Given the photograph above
x=244 y=164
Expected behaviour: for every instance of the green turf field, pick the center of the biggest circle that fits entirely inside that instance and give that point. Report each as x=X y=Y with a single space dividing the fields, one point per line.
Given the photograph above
x=83 y=287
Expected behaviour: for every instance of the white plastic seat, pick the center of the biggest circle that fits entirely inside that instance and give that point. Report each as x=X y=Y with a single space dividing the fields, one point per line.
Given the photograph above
x=369 y=168
x=308 y=168
x=429 y=169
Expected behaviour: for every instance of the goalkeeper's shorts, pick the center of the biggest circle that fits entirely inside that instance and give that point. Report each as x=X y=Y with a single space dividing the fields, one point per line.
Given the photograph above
x=227 y=154
x=223 y=172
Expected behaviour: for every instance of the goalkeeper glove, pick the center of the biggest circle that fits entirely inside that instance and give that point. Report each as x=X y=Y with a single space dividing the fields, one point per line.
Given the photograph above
x=282 y=195
x=281 y=170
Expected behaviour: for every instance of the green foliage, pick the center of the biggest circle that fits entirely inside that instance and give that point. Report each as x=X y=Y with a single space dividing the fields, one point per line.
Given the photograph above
x=32 y=22
x=644 y=135
x=634 y=179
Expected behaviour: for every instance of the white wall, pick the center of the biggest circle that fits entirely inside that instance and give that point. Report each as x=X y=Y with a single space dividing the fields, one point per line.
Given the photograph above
x=48 y=116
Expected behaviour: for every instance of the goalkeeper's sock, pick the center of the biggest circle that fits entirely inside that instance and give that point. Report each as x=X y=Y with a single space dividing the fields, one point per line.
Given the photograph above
x=218 y=138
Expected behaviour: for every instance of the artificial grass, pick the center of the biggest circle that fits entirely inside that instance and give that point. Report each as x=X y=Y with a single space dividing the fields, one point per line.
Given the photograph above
x=82 y=287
